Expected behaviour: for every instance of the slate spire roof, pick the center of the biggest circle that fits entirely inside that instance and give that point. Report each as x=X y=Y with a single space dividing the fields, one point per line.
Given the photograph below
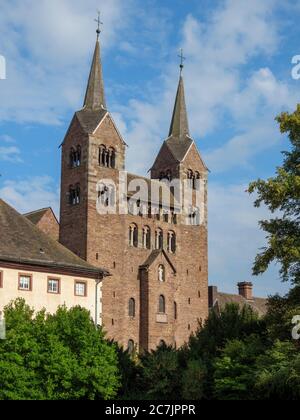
x=179 y=140
x=95 y=95
x=179 y=125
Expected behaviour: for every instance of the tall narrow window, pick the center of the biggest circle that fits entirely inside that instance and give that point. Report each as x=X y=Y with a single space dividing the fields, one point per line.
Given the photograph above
x=159 y=239
x=133 y=236
x=72 y=158
x=78 y=156
x=146 y=238
x=190 y=177
x=112 y=158
x=102 y=154
x=1 y=279
x=175 y=311
x=131 y=347
x=74 y=195
x=162 y=305
x=197 y=181
x=172 y=242
x=131 y=308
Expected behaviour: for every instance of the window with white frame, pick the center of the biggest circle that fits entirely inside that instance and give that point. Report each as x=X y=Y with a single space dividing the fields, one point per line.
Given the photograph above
x=25 y=282
x=80 y=289
x=53 y=286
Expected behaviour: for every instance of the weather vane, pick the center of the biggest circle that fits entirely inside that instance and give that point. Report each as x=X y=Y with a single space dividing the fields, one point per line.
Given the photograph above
x=182 y=60
x=98 y=21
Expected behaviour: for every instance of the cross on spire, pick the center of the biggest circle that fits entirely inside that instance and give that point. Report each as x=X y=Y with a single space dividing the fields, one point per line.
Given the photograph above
x=98 y=21
x=182 y=60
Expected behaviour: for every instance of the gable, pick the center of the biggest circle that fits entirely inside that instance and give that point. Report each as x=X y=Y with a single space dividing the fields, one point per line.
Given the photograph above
x=193 y=159
x=75 y=133
x=164 y=159
x=107 y=130
x=158 y=257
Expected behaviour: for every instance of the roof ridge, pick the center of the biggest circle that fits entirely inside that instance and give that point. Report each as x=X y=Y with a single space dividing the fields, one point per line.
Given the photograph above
x=37 y=211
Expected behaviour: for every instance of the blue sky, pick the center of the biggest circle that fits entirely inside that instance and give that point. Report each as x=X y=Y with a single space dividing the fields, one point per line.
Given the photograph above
x=237 y=77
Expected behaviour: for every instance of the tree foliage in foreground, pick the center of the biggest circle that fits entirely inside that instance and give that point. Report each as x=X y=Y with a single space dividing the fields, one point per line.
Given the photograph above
x=281 y=195
x=55 y=357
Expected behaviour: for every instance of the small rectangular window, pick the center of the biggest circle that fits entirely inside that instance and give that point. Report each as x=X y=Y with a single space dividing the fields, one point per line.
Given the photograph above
x=80 y=289
x=25 y=282
x=54 y=286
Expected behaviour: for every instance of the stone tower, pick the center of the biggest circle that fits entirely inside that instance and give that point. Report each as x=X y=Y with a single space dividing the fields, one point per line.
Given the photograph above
x=158 y=287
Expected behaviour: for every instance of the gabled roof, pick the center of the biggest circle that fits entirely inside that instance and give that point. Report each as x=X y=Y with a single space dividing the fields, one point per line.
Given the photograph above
x=259 y=305
x=36 y=216
x=23 y=243
x=153 y=257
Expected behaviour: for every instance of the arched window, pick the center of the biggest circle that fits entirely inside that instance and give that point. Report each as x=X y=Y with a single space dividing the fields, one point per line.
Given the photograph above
x=162 y=305
x=159 y=239
x=161 y=273
x=190 y=177
x=77 y=194
x=162 y=343
x=131 y=308
x=102 y=155
x=169 y=175
x=147 y=237
x=197 y=181
x=74 y=195
x=172 y=242
x=112 y=158
x=175 y=311
x=130 y=347
x=133 y=236
x=166 y=216
x=73 y=158
x=78 y=157
x=106 y=195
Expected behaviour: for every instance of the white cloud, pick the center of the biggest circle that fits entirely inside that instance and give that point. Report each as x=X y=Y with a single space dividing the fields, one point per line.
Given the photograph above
x=235 y=240
x=31 y=194
x=47 y=46
x=220 y=88
x=9 y=152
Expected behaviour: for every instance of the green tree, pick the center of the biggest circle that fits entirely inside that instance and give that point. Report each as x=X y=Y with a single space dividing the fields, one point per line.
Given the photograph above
x=232 y=323
x=235 y=369
x=161 y=374
x=60 y=356
x=281 y=311
x=278 y=372
x=282 y=194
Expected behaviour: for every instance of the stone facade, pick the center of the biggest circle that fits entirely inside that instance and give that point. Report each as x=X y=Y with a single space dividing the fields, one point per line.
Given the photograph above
x=103 y=240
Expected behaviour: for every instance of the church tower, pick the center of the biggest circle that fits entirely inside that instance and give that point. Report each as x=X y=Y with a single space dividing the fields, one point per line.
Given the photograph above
x=157 y=291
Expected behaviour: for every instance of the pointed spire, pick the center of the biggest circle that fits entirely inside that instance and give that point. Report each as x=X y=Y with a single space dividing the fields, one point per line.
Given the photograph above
x=179 y=125
x=95 y=96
